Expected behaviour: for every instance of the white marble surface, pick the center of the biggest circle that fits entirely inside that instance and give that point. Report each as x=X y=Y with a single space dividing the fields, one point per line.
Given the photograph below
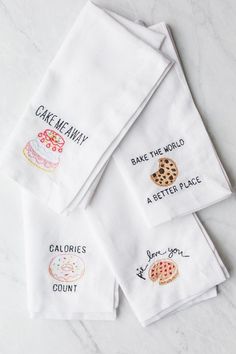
x=30 y=33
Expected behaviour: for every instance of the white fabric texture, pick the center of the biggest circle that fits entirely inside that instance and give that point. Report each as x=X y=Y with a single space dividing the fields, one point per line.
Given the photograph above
x=135 y=251
x=105 y=75
x=167 y=158
x=94 y=89
x=67 y=274
x=97 y=247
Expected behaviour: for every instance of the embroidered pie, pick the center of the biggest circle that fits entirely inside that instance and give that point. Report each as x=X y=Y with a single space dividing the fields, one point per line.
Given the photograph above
x=164 y=271
x=166 y=173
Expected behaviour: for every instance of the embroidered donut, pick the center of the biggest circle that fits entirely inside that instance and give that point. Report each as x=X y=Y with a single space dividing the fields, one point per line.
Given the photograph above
x=66 y=268
x=166 y=174
x=164 y=271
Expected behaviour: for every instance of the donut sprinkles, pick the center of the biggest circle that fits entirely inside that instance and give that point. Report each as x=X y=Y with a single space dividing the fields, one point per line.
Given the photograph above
x=66 y=268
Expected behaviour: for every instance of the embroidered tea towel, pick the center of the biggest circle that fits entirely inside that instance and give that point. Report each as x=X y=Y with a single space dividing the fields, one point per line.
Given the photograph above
x=161 y=269
x=67 y=274
x=167 y=158
x=94 y=89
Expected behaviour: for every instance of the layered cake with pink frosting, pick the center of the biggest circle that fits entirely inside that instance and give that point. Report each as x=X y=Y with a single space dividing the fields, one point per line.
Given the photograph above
x=45 y=150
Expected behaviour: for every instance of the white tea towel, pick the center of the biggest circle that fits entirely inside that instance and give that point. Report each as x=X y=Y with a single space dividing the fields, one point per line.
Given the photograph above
x=167 y=158
x=93 y=91
x=160 y=269
x=67 y=275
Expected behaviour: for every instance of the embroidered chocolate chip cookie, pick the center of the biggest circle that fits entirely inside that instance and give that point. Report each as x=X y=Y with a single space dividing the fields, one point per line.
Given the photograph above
x=166 y=174
x=164 y=271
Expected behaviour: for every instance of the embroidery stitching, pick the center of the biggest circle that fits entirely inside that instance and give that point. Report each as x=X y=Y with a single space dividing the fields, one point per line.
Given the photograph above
x=166 y=174
x=44 y=151
x=66 y=268
x=164 y=271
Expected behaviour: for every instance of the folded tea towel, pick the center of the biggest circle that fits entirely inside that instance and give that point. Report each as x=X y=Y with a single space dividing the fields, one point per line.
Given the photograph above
x=93 y=91
x=161 y=269
x=167 y=158
x=67 y=274
x=88 y=100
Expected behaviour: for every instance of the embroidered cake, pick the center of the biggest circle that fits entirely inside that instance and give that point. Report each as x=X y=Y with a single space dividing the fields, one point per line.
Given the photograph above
x=66 y=268
x=164 y=271
x=166 y=174
x=44 y=151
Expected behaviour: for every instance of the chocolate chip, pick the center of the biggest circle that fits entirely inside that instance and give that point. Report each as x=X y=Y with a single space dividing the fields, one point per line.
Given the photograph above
x=154 y=174
x=170 y=178
x=173 y=169
x=166 y=161
x=161 y=171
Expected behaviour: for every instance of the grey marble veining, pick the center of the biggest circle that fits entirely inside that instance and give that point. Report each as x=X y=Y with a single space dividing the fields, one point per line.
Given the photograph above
x=204 y=30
